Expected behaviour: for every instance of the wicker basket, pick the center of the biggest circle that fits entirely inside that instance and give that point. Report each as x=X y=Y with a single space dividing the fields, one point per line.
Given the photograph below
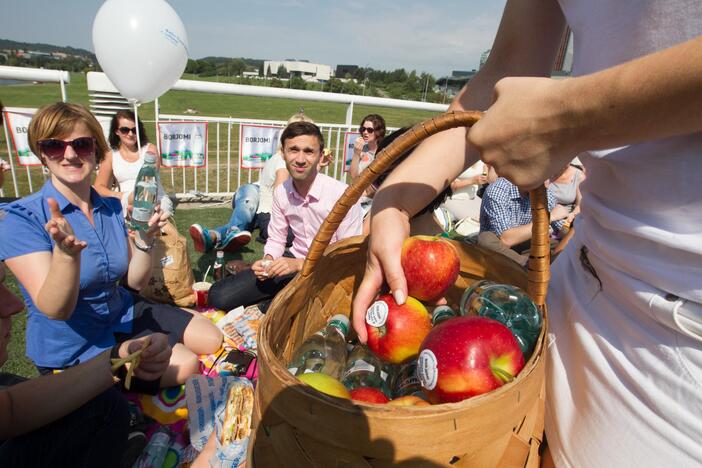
x=300 y=427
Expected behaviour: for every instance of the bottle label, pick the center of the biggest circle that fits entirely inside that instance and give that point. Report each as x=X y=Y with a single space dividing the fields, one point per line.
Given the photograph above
x=142 y=214
x=360 y=366
x=410 y=381
x=377 y=314
x=427 y=370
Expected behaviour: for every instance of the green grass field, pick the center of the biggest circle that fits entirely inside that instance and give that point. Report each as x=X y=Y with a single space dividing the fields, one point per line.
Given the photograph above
x=209 y=216
x=212 y=105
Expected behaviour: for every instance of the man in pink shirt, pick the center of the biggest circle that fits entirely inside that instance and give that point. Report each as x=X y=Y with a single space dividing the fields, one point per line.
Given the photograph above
x=301 y=203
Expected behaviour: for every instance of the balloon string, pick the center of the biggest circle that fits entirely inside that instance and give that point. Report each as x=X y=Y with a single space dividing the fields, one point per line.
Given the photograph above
x=136 y=117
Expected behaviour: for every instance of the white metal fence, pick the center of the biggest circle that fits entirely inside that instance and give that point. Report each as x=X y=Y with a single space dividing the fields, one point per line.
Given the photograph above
x=222 y=174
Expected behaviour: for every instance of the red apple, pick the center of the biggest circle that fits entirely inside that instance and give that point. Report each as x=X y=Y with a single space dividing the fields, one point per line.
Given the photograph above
x=396 y=331
x=368 y=395
x=467 y=356
x=431 y=266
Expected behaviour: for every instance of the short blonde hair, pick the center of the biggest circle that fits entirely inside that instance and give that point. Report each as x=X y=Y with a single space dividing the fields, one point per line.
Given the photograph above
x=299 y=117
x=58 y=121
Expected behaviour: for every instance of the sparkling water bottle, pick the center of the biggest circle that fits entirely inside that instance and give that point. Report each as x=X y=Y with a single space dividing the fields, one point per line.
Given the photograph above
x=145 y=193
x=325 y=351
x=156 y=450
x=365 y=369
x=406 y=382
x=441 y=314
x=510 y=306
x=218 y=267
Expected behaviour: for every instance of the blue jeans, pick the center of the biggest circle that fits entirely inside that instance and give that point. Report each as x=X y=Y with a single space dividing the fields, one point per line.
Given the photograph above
x=244 y=206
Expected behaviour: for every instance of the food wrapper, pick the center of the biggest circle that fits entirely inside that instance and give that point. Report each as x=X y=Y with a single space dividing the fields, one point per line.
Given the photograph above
x=233 y=451
x=205 y=398
x=240 y=327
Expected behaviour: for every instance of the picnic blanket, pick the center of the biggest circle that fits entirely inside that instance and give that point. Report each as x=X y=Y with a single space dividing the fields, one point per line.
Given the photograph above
x=169 y=408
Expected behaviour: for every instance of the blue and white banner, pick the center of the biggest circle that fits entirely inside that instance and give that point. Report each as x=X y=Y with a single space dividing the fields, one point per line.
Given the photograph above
x=17 y=123
x=257 y=144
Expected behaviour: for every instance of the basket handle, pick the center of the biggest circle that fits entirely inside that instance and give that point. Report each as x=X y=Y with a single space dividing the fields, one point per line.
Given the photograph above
x=538 y=267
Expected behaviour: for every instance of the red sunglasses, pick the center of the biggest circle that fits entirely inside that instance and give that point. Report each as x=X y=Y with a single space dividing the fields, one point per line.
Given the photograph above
x=55 y=149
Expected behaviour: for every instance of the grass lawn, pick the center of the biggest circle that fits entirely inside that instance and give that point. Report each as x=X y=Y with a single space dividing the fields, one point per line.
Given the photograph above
x=209 y=216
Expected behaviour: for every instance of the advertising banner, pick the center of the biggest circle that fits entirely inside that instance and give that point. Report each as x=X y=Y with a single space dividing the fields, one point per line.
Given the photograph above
x=17 y=123
x=183 y=144
x=349 y=142
x=257 y=143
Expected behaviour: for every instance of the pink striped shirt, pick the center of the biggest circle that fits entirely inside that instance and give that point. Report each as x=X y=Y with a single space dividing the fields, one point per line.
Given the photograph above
x=305 y=216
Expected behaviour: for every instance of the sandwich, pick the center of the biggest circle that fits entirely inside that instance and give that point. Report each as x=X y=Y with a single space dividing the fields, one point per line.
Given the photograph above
x=236 y=425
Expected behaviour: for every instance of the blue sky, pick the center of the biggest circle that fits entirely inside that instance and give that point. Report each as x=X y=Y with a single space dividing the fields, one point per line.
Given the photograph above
x=432 y=36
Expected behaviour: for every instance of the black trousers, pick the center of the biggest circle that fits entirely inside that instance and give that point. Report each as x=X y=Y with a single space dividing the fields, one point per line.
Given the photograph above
x=245 y=289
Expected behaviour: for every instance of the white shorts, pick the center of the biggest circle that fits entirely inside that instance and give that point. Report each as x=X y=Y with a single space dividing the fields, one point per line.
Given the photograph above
x=624 y=387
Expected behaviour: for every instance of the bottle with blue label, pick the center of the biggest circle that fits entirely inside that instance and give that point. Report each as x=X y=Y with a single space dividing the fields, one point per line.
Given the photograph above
x=145 y=193
x=509 y=305
x=156 y=450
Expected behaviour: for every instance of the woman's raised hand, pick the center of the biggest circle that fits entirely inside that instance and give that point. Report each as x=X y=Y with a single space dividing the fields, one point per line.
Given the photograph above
x=61 y=231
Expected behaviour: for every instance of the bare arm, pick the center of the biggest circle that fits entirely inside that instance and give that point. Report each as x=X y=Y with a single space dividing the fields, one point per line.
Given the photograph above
x=543 y=24
x=281 y=175
x=536 y=125
x=516 y=235
x=103 y=180
x=38 y=402
x=52 y=279
x=355 y=159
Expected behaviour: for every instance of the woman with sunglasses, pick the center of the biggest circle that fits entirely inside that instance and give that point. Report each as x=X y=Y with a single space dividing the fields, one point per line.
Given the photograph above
x=123 y=160
x=372 y=130
x=71 y=253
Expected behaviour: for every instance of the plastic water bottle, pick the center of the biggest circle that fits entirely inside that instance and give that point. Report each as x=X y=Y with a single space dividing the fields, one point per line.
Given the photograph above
x=441 y=314
x=365 y=369
x=218 y=266
x=156 y=450
x=325 y=351
x=406 y=382
x=512 y=307
x=145 y=193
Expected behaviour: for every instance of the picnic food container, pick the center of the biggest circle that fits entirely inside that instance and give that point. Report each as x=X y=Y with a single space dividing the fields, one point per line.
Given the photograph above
x=297 y=426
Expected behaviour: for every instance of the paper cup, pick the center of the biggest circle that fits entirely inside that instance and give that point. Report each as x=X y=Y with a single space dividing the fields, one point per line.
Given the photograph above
x=201 y=290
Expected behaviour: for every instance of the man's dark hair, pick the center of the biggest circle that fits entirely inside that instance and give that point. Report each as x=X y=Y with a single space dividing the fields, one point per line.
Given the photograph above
x=384 y=143
x=297 y=129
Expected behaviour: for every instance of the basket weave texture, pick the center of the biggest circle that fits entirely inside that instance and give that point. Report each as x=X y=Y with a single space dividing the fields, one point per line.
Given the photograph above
x=300 y=427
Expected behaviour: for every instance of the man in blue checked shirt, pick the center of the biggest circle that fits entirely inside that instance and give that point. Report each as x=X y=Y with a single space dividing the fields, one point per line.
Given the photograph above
x=505 y=219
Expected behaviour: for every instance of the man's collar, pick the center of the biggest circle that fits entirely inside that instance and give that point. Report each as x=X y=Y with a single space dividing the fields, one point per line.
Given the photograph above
x=314 y=192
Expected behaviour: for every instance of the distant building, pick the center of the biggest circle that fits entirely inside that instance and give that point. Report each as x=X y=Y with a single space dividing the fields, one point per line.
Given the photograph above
x=483 y=58
x=305 y=70
x=343 y=70
x=451 y=85
x=250 y=74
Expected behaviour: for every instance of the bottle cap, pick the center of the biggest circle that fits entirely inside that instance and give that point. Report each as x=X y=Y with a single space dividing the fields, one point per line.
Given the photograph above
x=150 y=158
x=220 y=254
x=341 y=322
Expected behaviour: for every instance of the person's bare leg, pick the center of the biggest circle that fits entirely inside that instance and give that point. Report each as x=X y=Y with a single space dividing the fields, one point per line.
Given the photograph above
x=202 y=336
x=183 y=364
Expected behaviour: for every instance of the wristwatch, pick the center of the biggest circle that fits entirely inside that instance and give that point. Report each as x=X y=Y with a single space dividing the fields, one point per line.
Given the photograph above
x=145 y=248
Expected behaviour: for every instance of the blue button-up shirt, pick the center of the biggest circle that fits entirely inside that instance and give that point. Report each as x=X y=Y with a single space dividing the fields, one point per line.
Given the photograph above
x=103 y=307
x=503 y=208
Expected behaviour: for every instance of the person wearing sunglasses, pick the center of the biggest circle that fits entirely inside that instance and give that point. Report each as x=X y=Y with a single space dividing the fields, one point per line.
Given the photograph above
x=122 y=162
x=70 y=251
x=372 y=130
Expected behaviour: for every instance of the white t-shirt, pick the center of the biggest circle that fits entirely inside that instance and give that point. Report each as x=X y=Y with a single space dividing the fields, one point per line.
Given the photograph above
x=266 y=180
x=125 y=172
x=625 y=384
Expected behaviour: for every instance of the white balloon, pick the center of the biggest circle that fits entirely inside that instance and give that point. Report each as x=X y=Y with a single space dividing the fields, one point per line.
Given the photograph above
x=141 y=46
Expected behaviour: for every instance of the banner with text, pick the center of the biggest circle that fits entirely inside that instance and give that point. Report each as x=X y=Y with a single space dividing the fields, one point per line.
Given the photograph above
x=257 y=143
x=183 y=144
x=349 y=142
x=18 y=122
